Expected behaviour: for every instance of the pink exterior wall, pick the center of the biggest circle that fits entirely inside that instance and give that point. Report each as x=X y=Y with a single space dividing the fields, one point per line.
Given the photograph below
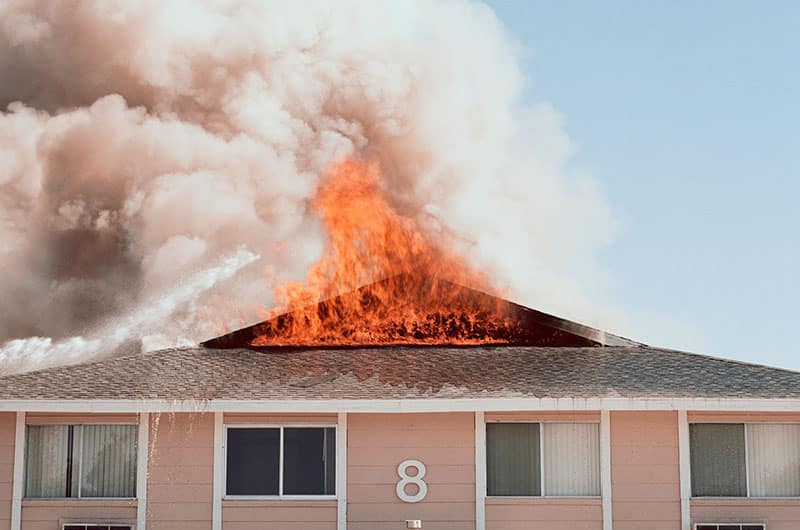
x=645 y=477
x=377 y=443
x=778 y=514
x=645 y=473
x=50 y=514
x=279 y=515
x=552 y=513
x=7 y=428
x=180 y=478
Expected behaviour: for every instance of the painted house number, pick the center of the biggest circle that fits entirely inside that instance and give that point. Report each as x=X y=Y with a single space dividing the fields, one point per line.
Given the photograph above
x=416 y=480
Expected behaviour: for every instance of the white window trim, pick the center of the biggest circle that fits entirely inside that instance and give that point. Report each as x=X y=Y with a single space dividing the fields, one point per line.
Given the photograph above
x=80 y=465
x=746 y=465
x=280 y=496
x=541 y=461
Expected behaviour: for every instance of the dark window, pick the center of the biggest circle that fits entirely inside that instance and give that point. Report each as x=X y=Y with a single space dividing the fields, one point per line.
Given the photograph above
x=513 y=461
x=253 y=461
x=92 y=526
x=309 y=461
x=718 y=460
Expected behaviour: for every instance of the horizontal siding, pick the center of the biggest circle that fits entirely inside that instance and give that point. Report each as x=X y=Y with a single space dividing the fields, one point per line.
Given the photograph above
x=180 y=471
x=743 y=417
x=553 y=514
x=260 y=515
x=38 y=418
x=231 y=418
x=377 y=443
x=543 y=416
x=46 y=515
x=7 y=434
x=777 y=514
x=645 y=479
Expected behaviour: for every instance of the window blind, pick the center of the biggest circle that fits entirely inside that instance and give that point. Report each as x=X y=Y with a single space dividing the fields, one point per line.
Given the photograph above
x=80 y=461
x=718 y=460
x=513 y=466
x=46 y=461
x=571 y=459
x=108 y=461
x=774 y=460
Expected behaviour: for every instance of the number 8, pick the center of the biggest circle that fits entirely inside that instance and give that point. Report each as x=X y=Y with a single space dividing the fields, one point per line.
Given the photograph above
x=405 y=480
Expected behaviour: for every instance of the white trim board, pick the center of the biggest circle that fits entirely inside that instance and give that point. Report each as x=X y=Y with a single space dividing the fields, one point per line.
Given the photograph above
x=19 y=474
x=405 y=405
x=480 y=471
x=142 y=453
x=605 y=469
x=685 y=466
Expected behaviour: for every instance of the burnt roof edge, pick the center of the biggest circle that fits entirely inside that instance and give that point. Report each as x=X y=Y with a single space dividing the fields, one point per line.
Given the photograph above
x=602 y=338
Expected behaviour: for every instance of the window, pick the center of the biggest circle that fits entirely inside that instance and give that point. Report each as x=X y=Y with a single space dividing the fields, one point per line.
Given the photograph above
x=728 y=526
x=745 y=460
x=535 y=459
x=96 y=526
x=281 y=461
x=80 y=461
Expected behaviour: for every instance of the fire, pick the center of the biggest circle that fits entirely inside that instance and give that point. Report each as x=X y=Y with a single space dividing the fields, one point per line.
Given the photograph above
x=380 y=279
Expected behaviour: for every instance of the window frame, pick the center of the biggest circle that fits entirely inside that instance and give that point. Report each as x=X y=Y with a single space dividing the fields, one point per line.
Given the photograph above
x=542 y=455
x=280 y=496
x=80 y=466
x=748 y=496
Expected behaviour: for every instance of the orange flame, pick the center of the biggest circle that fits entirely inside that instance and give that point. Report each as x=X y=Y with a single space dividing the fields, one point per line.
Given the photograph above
x=399 y=287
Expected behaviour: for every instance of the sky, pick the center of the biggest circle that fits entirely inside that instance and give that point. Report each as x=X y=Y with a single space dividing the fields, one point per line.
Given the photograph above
x=688 y=114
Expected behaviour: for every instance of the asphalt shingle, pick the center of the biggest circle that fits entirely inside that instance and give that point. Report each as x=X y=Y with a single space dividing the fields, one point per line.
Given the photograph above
x=404 y=372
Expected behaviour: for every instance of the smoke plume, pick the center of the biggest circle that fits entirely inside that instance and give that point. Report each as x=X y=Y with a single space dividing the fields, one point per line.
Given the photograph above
x=147 y=146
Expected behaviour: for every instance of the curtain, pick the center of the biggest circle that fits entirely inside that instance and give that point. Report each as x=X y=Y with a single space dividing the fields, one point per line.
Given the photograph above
x=774 y=458
x=571 y=459
x=108 y=466
x=513 y=465
x=46 y=461
x=330 y=461
x=717 y=454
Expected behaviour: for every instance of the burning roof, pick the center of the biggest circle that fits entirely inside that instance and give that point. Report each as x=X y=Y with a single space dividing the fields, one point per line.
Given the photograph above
x=410 y=309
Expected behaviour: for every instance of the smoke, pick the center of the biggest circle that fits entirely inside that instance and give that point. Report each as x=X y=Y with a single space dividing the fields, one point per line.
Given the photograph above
x=143 y=141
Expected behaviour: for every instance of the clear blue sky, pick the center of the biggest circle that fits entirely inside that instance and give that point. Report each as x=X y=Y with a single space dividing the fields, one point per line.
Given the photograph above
x=688 y=113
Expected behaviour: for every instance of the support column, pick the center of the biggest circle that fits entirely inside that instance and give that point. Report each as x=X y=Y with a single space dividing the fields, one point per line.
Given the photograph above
x=605 y=469
x=341 y=471
x=19 y=474
x=219 y=456
x=480 y=471
x=142 y=454
x=685 y=470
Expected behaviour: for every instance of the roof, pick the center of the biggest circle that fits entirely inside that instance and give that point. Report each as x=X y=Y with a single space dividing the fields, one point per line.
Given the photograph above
x=344 y=316
x=404 y=373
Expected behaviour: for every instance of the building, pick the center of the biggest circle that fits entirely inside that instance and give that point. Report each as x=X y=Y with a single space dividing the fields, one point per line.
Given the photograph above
x=566 y=428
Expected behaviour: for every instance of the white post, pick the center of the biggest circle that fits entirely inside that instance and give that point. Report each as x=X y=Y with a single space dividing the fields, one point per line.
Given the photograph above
x=19 y=472
x=341 y=471
x=142 y=453
x=480 y=471
x=605 y=469
x=219 y=455
x=685 y=470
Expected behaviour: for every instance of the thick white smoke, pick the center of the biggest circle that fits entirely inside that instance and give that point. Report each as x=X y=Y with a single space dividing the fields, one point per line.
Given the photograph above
x=143 y=142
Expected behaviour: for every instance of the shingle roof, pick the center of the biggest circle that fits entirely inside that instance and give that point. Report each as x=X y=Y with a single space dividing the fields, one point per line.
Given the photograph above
x=404 y=372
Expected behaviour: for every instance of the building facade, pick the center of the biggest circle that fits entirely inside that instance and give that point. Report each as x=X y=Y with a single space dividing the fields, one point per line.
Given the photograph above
x=482 y=438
